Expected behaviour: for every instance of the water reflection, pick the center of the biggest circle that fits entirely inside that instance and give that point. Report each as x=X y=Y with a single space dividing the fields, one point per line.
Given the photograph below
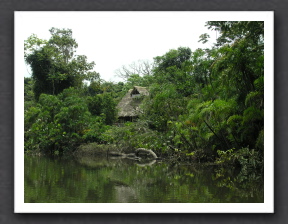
x=106 y=180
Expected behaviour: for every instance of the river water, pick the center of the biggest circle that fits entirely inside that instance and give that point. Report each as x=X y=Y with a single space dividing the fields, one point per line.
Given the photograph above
x=107 y=180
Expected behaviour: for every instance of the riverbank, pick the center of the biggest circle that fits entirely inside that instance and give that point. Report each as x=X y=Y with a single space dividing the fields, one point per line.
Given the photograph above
x=94 y=150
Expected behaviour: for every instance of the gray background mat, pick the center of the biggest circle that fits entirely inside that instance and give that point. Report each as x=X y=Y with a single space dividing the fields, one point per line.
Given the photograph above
x=7 y=8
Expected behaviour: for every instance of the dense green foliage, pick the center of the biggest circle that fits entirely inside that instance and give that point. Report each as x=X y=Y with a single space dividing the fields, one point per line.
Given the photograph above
x=205 y=105
x=54 y=65
x=60 y=123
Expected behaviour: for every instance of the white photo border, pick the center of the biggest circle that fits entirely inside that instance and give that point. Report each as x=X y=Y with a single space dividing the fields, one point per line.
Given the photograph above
x=266 y=207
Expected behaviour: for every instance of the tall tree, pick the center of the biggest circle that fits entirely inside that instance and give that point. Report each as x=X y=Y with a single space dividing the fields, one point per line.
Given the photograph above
x=233 y=30
x=54 y=64
x=175 y=67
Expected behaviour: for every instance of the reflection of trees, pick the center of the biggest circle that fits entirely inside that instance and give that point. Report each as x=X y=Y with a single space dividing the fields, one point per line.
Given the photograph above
x=94 y=180
x=242 y=184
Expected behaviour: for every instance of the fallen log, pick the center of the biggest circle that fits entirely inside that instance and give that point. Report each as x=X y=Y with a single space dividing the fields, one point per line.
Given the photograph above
x=113 y=153
x=139 y=153
x=146 y=151
x=132 y=156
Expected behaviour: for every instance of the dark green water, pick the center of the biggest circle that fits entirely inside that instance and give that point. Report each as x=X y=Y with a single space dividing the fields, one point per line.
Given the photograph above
x=92 y=180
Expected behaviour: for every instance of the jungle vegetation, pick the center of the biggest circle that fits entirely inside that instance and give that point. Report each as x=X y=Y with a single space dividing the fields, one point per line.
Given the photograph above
x=205 y=105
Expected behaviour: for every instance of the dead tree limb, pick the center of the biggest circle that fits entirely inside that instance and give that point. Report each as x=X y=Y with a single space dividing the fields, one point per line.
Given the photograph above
x=146 y=151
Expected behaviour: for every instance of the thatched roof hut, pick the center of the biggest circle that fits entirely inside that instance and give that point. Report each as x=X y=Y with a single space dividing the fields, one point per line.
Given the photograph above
x=129 y=106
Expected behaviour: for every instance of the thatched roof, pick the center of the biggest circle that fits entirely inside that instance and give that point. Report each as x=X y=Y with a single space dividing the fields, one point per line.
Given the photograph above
x=130 y=106
x=140 y=90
